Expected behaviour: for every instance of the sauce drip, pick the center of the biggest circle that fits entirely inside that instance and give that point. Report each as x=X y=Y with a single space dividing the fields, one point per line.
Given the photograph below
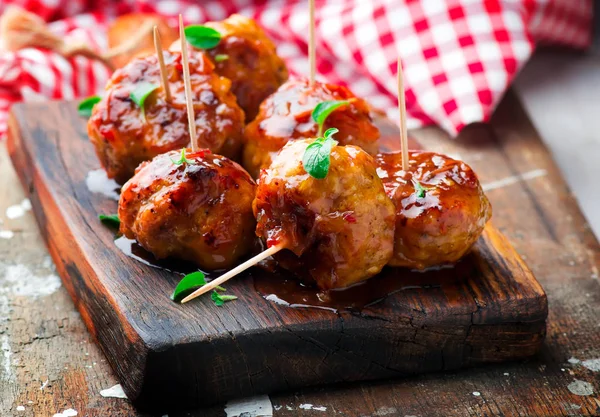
x=133 y=250
x=281 y=288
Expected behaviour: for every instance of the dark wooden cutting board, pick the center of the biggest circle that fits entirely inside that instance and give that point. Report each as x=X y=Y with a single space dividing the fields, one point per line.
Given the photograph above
x=488 y=309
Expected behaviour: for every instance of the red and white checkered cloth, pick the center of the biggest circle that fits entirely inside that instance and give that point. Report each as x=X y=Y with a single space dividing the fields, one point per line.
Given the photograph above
x=459 y=56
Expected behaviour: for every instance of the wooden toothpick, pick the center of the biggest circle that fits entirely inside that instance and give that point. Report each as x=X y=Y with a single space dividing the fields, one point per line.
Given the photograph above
x=235 y=271
x=402 y=109
x=188 y=88
x=161 y=63
x=312 y=54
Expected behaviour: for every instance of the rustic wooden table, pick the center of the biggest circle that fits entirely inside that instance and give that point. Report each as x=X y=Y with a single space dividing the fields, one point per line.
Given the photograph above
x=49 y=363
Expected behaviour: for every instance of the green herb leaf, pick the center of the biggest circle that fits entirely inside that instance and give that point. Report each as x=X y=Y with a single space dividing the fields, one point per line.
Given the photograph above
x=316 y=158
x=221 y=57
x=202 y=37
x=419 y=189
x=182 y=159
x=324 y=109
x=188 y=284
x=141 y=93
x=86 y=105
x=219 y=299
x=111 y=220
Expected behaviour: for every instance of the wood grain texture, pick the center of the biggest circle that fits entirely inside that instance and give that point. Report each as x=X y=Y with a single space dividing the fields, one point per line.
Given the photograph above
x=492 y=310
x=75 y=368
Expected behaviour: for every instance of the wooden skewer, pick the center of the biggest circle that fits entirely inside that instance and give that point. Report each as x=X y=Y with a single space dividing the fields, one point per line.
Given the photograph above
x=402 y=108
x=235 y=271
x=312 y=54
x=188 y=88
x=161 y=62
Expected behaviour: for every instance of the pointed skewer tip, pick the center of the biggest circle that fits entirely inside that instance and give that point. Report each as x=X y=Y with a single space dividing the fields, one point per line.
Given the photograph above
x=234 y=272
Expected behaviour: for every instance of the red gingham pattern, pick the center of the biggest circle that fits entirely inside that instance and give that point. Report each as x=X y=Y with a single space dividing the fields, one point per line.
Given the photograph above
x=459 y=56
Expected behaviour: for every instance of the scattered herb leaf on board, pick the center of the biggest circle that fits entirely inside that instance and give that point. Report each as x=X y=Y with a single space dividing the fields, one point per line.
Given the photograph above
x=195 y=280
x=111 y=220
x=317 y=156
x=187 y=284
x=182 y=159
x=221 y=57
x=219 y=299
x=202 y=37
x=86 y=105
x=324 y=109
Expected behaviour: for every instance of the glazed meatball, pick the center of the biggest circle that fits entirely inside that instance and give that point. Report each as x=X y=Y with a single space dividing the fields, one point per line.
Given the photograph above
x=199 y=211
x=441 y=209
x=124 y=135
x=246 y=56
x=286 y=115
x=337 y=231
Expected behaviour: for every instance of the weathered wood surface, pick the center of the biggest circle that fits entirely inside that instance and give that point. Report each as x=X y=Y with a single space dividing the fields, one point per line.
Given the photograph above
x=540 y=218
x=488 y=309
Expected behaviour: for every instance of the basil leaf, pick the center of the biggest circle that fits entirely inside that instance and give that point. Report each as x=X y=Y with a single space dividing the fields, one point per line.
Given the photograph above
x=219 y=299
x=188 y=284
x=419 y=189
x=141 y=93
x=182 y=159
x=324 y=109
x=86 y=106
x=202 y=37
x=221 y=57
x=317 y=156
x=111 y=220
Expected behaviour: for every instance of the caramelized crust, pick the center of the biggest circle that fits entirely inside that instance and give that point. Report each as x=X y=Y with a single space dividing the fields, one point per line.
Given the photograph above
x=253 y=66
x=251 y=62
x=339 y=230
x=124 y=136
x=201 y=212
x=440 y=227
x=286 y=115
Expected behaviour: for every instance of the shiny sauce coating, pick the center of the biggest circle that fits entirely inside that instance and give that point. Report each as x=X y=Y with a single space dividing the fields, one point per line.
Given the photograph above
x=252 y=63
x=441 y=209
x=124 y=135
x=286 y=114
x=337 y=230
x=199 y=211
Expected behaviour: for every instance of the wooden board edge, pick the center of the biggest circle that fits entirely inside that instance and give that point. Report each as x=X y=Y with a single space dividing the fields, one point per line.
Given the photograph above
x=77 y=283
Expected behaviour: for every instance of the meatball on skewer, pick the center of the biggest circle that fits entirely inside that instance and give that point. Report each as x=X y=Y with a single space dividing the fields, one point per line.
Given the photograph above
x=192 y=205
x=199 y=210
x=125 y=135
x=441 y=209
x=333 y=232
x=286 y=115
x=246 y=56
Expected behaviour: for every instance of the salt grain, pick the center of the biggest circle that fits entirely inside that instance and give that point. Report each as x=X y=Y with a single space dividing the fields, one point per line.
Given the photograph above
x=6 y=234
x=18 y=210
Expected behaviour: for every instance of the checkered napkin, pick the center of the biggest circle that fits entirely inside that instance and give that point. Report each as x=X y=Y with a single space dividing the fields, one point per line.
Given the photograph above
x=459 y=56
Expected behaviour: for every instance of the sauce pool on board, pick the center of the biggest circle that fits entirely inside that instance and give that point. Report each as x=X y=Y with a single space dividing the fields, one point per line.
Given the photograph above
x=278 y=287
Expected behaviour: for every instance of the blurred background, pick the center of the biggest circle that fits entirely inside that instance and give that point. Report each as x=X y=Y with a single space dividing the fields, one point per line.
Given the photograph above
x=561 y=92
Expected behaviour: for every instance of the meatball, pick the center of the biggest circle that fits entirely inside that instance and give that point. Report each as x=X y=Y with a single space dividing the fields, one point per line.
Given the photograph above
x=441 y=209
x=199 y=211
x=246 y=56
x=286 y=115
x=125 y=135
x=337 y=231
